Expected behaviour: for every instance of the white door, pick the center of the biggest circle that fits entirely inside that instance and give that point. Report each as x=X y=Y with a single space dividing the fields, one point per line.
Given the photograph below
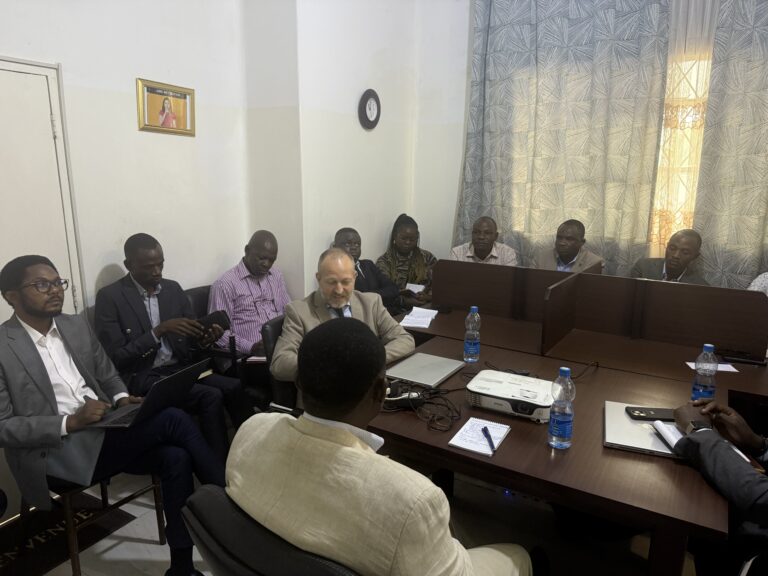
x=36 y=215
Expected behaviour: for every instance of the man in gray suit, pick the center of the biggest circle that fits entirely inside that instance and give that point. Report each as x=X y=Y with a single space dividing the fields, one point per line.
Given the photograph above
x=677 y=265
x=336 y=297
x=568 y=253
x=55 y=380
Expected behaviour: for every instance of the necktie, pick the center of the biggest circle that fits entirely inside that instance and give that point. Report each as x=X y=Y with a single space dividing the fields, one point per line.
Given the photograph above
x=339 y=312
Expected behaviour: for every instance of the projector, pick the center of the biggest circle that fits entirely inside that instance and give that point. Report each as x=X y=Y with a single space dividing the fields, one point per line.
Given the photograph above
x=511 y=394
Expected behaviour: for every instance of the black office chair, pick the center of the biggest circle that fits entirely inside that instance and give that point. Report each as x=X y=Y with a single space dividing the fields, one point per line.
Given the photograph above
x=283 y=393
x=198 y=298
x=234 y=544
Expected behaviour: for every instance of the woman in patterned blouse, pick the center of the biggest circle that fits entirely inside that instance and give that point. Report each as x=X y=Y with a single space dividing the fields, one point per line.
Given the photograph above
x=405 y=263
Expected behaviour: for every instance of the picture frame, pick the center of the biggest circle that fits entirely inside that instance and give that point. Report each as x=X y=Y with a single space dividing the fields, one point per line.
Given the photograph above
x=165 y=108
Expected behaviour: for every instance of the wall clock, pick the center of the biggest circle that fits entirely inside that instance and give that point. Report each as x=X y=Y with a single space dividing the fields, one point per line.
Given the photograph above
x=369 y=109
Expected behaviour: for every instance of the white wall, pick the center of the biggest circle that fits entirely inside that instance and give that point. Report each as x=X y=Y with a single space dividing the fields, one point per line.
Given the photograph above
x=278 y=142
x=188 y=192
x=443 y=53
x=273 y=152
x=414 y=54
x=353 y=177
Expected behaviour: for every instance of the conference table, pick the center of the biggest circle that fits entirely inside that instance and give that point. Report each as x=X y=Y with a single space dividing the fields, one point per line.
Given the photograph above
x=661 y=495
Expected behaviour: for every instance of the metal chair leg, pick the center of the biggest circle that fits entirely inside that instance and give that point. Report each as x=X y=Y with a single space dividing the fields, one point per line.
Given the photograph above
x=104 y=493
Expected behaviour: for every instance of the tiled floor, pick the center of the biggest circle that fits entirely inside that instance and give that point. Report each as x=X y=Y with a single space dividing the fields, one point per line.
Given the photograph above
x=134 y=548
x=481 y=514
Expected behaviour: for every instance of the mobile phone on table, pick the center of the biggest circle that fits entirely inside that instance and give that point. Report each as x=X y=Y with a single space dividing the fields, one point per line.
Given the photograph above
x=646 y=413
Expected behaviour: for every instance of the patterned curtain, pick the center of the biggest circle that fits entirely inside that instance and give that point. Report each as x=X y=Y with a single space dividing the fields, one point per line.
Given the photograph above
x=691 y=37
x=732 y=199
x=565 y=114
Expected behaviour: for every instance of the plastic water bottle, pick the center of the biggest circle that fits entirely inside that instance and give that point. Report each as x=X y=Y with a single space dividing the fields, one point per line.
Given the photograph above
x=472 y=336
x=561 y=412
x=706 y=368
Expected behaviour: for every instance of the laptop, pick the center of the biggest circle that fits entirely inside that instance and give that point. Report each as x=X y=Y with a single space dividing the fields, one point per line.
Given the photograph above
x=624 y=433
x=171 y=391
x=424 y=369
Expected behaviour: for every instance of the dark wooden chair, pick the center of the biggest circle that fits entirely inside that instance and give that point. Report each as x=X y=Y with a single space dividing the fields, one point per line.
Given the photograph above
x=66 y=491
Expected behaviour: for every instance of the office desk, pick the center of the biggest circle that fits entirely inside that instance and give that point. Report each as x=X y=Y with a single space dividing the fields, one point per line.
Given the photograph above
x=662 y=495
x=496 y=331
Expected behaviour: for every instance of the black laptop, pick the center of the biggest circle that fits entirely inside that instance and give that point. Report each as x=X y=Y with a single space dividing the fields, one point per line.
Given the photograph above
x=171 y=391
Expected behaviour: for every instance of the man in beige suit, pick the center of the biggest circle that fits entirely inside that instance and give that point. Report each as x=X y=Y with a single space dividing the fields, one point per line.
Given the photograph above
x=336 y=297
x=318 y=483
x=568 y=254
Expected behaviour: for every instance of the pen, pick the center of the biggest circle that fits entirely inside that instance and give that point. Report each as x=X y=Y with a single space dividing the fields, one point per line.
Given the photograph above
x=487 y=435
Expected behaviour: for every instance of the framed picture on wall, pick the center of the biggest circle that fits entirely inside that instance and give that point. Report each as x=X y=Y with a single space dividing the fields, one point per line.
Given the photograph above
x=165 y=108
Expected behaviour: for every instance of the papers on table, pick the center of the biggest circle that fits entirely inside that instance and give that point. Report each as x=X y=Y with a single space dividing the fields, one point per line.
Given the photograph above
x=418 y=318
x=256 y=360
x=720 y=367
x=415 y=288
x=471 y=436
x=669 y=432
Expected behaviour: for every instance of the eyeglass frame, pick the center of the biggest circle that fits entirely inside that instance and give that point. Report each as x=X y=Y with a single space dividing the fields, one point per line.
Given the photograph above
x=62 y=283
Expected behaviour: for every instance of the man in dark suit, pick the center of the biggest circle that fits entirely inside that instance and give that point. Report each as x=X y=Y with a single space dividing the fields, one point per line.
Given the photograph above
x=682 y=250
x=711 y=431
x=55 y=379
x=369 y=277
x=145 y=323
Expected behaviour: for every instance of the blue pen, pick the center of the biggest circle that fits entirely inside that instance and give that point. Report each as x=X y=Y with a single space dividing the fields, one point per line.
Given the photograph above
x=487 y=435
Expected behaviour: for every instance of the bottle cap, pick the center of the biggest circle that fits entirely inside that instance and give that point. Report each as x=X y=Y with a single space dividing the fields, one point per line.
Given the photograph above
x=565 y=371
x=473 y=309
x=709 y=347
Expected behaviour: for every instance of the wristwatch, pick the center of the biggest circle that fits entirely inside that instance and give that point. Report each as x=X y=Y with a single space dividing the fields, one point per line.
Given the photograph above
x=695 y=425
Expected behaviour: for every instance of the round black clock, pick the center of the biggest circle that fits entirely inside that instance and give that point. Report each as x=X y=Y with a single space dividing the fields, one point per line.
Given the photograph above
x=369 y=109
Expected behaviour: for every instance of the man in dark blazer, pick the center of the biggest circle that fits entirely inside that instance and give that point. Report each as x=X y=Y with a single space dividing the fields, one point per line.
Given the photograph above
x=55 y=379
x=711 y=431
x=146 y=325
x=683 y=248
x=369 y=277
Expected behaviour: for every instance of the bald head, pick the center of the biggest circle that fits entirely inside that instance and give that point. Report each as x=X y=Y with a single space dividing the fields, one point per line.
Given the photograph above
x=336 y=277
x=260 y=252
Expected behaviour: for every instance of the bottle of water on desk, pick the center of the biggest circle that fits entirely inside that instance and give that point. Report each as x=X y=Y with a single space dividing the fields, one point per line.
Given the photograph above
x=561 y=412
x=472 y=336
x=704 y=380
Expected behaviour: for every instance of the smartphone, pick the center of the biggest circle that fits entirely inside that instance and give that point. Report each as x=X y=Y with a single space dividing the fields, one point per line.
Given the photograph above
x=219 y=317
x=646 y=413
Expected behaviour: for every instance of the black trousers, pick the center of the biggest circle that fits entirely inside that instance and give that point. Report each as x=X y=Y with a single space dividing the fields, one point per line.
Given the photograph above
x=206 y=400
x=170 y=446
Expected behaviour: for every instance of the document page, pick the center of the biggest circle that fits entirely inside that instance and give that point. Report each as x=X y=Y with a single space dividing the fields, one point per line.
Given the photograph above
x=418 y=318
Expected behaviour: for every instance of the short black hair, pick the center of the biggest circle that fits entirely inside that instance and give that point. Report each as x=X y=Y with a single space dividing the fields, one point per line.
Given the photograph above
x=486 y=219
x=691 y=233
x=341 y=231
x=12 y=274
x=138 y=242
x=576 y=224
x=338 y=363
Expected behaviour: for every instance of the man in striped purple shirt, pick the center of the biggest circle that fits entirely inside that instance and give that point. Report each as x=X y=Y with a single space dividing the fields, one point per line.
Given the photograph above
x=252 y=293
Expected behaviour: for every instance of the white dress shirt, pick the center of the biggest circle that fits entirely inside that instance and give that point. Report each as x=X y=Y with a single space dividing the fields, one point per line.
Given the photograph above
x=68 y=384
x=373 y=440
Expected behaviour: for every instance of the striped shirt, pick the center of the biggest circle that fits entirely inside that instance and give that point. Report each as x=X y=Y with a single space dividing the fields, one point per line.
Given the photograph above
x=500 y=254
x=250 y=301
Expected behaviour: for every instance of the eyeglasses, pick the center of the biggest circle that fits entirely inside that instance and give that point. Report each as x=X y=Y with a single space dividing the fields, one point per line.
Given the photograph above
x=44 y=286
